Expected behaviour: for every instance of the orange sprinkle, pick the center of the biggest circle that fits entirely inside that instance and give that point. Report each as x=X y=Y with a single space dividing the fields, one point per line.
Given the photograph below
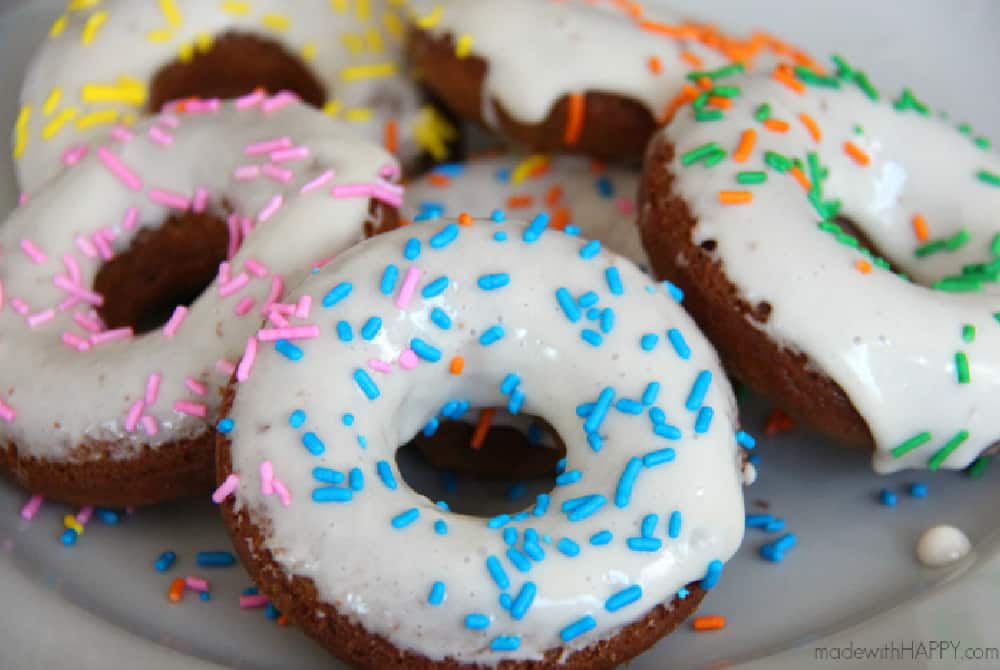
x=482 y=427
x=457 y=365
x=655 y=66
x=574 y=119
x=735 y=197
x=687 y=94
x=920 y=227
x=778 y=422
x=709 y=622
x=438 y=179
x=777 y=125
x=282 y=620
x=800 y=177
x=176 y=590
x=667 y=29
x=560 y=218
x=720 y=102
x=706 y=83
x=519 y=201
x=465 y=219
x=540 y=169
x=747 y=140
x=553 y=195
x=811 y=126
x=782 y=74
x=857 y=153
x=863 y=266
x=404 y=222
x=692 y=59
x=390 y=136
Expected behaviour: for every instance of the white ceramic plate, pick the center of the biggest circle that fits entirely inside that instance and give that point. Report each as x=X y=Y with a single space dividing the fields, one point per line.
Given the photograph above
x=852 y=582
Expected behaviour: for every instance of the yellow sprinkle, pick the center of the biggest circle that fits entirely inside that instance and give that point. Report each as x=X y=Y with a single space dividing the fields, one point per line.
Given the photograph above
x=278 y=22
x=374 y=39
x=185 y=52
x=171 y=13
x=363 y=9
x=125 y=81
x=353 y=43
x=339 y=6
x=308 y=51
x=52 y=101
x=160 y=35
x=80 y=5
x=358 y=114
x=433 y=132
x=430 y=20
x=526 y=167
x=96 y=118
x=58 y=26
x=21 y=132
x=463 y=47
x=122 y=92
x=92 y=25
x=371 y=71
x=70 y=522
x=52 y=128
x=393 y=24
x=235 y=7
x=332 y=108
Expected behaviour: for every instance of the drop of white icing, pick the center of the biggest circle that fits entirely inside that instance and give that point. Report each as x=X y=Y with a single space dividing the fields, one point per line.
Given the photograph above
x=942 y=545
x=749 y=474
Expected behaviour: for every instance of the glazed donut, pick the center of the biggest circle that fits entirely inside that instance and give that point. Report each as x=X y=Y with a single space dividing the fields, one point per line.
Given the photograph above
x=99 y=404
x=438 y=318
x=111 y=62
x=878 y=325
x=586 y=76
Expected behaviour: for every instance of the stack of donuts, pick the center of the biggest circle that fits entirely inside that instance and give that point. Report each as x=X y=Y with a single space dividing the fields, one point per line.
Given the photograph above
x=215 y=284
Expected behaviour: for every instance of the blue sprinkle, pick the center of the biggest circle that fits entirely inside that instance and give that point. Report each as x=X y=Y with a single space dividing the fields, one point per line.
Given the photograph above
x=365 y=383
x=68 y=537
x=430 y=210
x=445 y=237
x=518 y=559
x=590 y=249
x=505 y=643
x=536 y=227
x=623 y=494
x=516 y=491
x=430 y=427
x=331 y=494
x=347 y=419
x=596 y=417
x=521 y=516
x=577 y=628
x=440 y=527
x=644 y=543
x=712 y=574
x=534 y=550
x=107 y=516
x=412 y=249
x=389 y=277
x=704 y=420
x=774 y=525
x=356 y=479
x=476 y=621
x=509 y=383
x=499 y=521
x=510 y=536
x=435 y=288
x=568 y=305
x=649 y=525
x=594 y=502
x=568 y=547
x=648 y=341
x=505 y=600
x=584 y=409
x=437 y=594
x=384 y=471
x=667 y=431
x=327 y=475
x=503 y=175
x=250 y=591
x=674 y=524
x=288 y=350
x=500 y=236
x=214 y=559
x=593 y=314
x=674 y=291
x=425 y=351
x=918 y=490
x=775 y=551
x=497 y=216
x=404 y=519
x=658 y=457
x=571 y=477
x=561 y=466
x=337 y=293
x=614 y=280
x=313 y=444
x=491 y=335
x=225 y=426
x=516 y=401
x=493 y=281
x=657 y=416
x=628 y=406
x=745 y=440
x=519 y=607
x=206 y=595
x=595 y=441
x=588 y=299
x=601 y=538
x=572 y=231
x=605 y=187
x=497 y=572
x=649 y=395
x=698 y=390
x=442 y=505
x=887 y=498
x=607 y=320
x=362 y=441
x=165 y=561
x=344 y=331
x=758 y=520
x=683 y=593
x=626 y=596
x=541 y=504
x=449 y=170
x=680 y=344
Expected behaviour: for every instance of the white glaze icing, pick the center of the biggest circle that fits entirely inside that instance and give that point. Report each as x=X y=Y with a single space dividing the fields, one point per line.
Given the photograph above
x=600 y=202
x=942 y=545
x=890 y=344
x=56 y=397
x=108 y=42
x=352 y=552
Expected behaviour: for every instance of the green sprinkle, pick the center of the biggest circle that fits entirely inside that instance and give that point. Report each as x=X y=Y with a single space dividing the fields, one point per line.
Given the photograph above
x=909 y=445
x=968 y=332
x=815 y=173
x=962 y=367
x=996 y=316
x=725 y=71
x=844 y=70
x=965 y=128
x=708 y=114
x=715 y=158
x=815 y=79
x=700 y=153
x=882 y=263
x=944 y=452
x=978 y=467
x=763 y=113
x=777 y=161
x=982 y=142
x=726 y=91
x=956 y=241
x=701 y=100
x=829 y=227
x=859 y=129
x=861 y=79
x=754 y=177
x=958 y=284
x=908 y=101
x=988 y=177
x=995 y=246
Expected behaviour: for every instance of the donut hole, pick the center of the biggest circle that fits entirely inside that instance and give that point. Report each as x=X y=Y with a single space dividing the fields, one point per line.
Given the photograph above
x=503 y=476
x=235 y=64
x=163 y=267
x=709 y=245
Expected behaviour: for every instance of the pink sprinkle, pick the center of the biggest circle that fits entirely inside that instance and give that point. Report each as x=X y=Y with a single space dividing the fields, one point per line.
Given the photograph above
x=195 y=386
x=246 y=363
x=282 y=491
x=277 y=286
x=196 y=583
x=63 y=282
x=30 y=508
x=317 y=182
x=277 y=173
x=323 y=262
x=352 y=190
x=39 y=318
x=626 y=205
x=72 y=267
x=290 y=154
x=103 y=248
x=289 y=333
x=383 y=193
x=226 y=488
x=284 y=308
x=233 y=223
x=160 y=136
x=67 y=303
x=256 y=268
x=150 y=425
x=83 y=516
x=267 y=146
x=132 y=418
x=176 y=319
x=251 y=601
x=225 y=367
x=389 y=170
x=409 y=286
x=86 y=247
x=191 y=408
x=131 y=218
x=118 y=169
x=33 y=252
x=247 y=172
x=279 y=100
x=249 y=100
x=121 y=133
x=169 y=199
x=7 y=413
x=169 y=120
x=22 y=198
x=389 y=187
x=266 y=478
x=89 y=321
x=111 y=335
x=275 y=317
x=19 y=306
x=304 y=307
x=408 y=359
x=74 y=154
x=74 y=341
x=153 y=388
x=246 y=226
x=196 y=105
x=234 y=285
x=244 y=306
x=379 y=365
x=270 y=208
x=200 y=200
x=225 y=272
